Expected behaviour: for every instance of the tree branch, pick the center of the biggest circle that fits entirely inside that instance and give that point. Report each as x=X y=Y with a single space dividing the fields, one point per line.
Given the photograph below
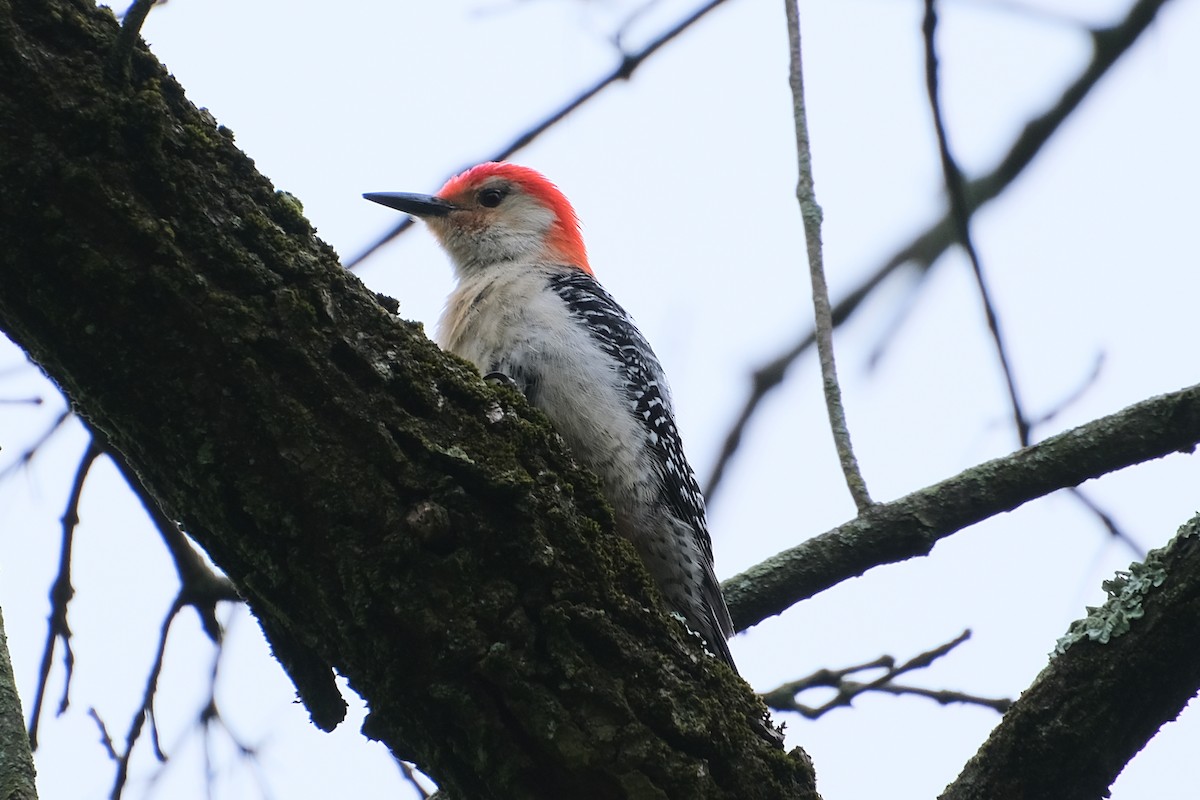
x=61 y=592
x=622 y=72
x=912 y=525
x=810 y=212
x=786 y=697
x=382 y=510
x=1118 y=677
x=960 y=213
x=928 y=246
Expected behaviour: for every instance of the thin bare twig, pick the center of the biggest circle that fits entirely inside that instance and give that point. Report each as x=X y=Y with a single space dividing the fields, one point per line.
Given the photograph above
x=623 y=71
x=210 y=718
x=146 y=711
x=960 y=213
x=810 y=212
x=1109 y=44
x=209 y=723
x=105 y=738
x=785 y=698
x=962 y=220
x=61 y=592
x=1108 y=522
x=618 y=38
x=1075 y=395
x=945 y=696
x=771 y=375
x=200 y=586
x=28 y=453
x=1046 y=16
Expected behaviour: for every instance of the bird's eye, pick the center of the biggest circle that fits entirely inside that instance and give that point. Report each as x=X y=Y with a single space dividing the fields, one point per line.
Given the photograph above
x=490 y=198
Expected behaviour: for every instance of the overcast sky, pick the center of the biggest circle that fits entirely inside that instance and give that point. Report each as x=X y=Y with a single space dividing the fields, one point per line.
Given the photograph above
x=684 y=179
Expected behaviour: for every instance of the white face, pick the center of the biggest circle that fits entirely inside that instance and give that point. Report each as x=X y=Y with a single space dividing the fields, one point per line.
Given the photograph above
x=495 y=221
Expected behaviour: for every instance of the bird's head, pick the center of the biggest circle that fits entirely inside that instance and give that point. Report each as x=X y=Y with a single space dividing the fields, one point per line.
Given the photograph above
x=498 y=213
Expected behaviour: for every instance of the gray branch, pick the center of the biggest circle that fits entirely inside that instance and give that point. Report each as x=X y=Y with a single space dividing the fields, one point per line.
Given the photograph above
x=911 y=526
x=384 y=512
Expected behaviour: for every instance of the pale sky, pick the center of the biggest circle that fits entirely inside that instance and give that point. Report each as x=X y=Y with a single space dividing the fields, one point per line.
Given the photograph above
x=684 y=179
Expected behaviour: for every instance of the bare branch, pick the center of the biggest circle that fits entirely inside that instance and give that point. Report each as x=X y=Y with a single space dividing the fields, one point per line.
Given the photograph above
x=210 y=717
x=1075 y=395
x=622 y=72
x=200 y=586
x=946 y=697
x=929 y=245
x=1110 y=524
x=1106 y=520
x=21 y=401
x=61 y=592
x=1047 y=16
x=785 y=698
x=209 y=723
x=960 y=213
x=810 y=212
x=1118 y=677
x=105 y=738
x=618 y=38
x=28 y=453
x=146 y=711
x=912 y=525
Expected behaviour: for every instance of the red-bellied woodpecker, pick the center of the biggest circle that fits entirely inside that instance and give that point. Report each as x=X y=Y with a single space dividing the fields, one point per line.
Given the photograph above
x=528 y=307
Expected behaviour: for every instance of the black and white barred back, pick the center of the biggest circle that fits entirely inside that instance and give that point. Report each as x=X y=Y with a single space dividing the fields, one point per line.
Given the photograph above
x=649 y=400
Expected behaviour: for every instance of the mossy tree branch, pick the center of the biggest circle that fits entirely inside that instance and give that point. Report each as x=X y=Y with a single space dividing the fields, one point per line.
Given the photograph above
x=1119 y=675
x=16 y=762
x=383 y=511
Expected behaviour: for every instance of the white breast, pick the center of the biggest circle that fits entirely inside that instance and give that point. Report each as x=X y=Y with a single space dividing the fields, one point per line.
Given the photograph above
x=507 y=319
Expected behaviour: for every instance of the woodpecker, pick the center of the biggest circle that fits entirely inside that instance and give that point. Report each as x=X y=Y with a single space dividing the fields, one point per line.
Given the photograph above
x=527 y=307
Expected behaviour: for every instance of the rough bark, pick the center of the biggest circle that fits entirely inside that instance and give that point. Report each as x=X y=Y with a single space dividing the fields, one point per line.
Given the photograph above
x=384 y=512
x=1118 y=676
x=16 y=761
